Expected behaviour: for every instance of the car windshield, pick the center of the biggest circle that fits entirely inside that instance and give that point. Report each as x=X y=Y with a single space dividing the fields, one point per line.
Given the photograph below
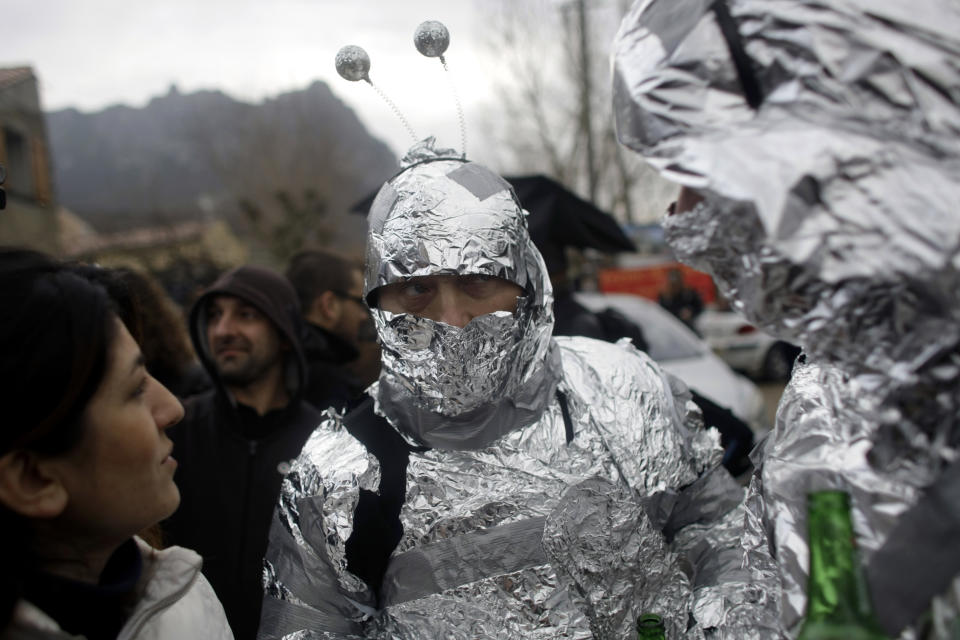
x=667 y=338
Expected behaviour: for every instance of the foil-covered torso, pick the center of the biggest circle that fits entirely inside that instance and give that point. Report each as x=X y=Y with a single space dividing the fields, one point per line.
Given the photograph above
x=535 y=488
x=830 y=220
x=872 y=409
x=530 y=536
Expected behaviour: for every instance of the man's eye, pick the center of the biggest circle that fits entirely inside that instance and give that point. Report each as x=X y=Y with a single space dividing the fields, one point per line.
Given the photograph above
x=414 y=289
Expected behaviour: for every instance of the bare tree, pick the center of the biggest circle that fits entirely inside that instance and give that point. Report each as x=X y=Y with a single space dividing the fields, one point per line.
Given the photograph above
x=555 y=95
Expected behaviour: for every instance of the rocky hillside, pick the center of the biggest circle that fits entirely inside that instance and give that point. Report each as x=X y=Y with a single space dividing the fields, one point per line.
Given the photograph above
x=205 y=155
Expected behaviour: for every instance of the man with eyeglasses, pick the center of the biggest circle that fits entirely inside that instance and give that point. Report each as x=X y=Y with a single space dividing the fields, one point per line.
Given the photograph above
x=339 y=340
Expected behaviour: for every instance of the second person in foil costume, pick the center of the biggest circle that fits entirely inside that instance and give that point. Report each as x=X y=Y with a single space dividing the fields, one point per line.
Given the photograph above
x=497 y=482
x=819 y=147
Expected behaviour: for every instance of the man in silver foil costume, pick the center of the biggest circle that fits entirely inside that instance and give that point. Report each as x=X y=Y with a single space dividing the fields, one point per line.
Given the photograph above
x=824 y=141
x=546 y=488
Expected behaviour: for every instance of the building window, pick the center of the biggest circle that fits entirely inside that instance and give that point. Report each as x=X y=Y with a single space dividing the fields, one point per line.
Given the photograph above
x=19 y=168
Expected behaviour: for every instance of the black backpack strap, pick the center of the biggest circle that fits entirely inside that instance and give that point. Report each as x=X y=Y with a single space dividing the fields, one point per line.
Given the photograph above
x=376 y=519
x=565 y=410
x=749 y=82
x=736 y=436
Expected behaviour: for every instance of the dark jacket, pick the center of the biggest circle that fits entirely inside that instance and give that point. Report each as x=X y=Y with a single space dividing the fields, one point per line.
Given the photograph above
x=573 y=319
x=329 y=383
x=232 y=460
x=685 y=300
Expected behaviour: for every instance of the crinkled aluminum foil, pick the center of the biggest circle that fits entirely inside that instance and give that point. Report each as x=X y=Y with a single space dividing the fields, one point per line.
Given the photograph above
x=450 y=387
x=305 y=578
x=829 y=220
x=446 y=215
x=450 y=370
x=631 y=431
x=597 y=537
x=486 y=503
x=467 y=387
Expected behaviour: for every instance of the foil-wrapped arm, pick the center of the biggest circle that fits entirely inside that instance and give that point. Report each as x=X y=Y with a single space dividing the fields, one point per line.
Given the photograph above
x=682 y=517
x=702 y=523
x=308 y=591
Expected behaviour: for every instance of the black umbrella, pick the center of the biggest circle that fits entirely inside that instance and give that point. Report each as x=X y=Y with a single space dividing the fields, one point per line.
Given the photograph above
x=558 y=218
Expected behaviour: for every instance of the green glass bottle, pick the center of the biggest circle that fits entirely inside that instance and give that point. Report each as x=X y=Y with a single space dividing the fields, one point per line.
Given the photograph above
x=650 y=627
x=838 y=604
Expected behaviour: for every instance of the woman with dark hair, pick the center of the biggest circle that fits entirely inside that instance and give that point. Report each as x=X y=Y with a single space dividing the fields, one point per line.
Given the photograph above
x=84 y=466
x=153 y=319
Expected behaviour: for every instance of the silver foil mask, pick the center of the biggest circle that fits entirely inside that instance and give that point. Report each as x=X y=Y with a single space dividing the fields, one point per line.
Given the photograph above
x=450 y=370
x=444 y=216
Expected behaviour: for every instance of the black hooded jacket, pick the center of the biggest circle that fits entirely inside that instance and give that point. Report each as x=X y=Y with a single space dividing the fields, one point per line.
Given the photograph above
x=329 y=384
x=232 y=460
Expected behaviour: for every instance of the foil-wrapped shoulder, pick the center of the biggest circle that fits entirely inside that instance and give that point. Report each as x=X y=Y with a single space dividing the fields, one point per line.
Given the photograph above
x=829 y=215
x=307 y=585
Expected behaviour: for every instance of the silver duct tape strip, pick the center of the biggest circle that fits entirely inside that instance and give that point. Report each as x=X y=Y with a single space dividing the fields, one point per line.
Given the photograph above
x=456 y=561
x=290 y=620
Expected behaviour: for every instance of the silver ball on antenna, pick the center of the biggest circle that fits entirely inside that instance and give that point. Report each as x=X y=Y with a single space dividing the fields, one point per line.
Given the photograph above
x=431 y=38
x=353 y=63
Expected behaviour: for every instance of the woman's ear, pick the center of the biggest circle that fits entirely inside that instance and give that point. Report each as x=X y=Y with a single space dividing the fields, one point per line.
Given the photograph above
x=29 y=485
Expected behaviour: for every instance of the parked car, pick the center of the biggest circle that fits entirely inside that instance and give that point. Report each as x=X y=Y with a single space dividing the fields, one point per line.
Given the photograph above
x=682 y=353
x=745 y=347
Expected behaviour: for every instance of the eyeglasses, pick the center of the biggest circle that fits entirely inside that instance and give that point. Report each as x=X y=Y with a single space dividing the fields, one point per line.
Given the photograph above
x=346 y=296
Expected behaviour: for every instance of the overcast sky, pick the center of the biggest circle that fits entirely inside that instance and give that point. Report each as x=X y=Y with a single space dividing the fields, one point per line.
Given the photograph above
x=91 y=54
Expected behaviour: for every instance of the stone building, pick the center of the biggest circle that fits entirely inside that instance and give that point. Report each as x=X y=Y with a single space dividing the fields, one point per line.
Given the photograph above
x=30 y=216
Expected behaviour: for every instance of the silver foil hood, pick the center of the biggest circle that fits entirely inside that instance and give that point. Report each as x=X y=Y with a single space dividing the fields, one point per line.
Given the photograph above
x=830 y=214
x=829 y=217
x=444 y=216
